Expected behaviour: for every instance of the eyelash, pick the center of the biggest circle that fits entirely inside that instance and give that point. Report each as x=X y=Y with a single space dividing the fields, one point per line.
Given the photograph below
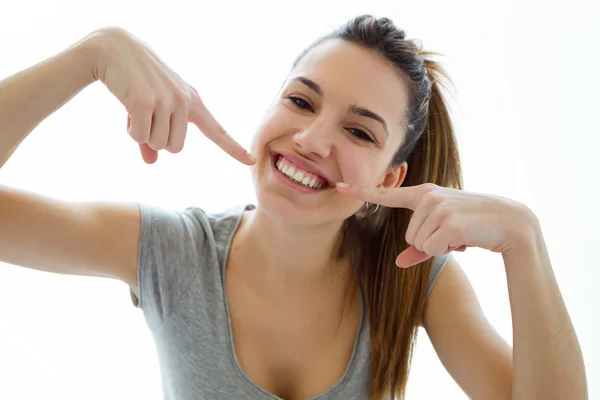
x=303 y=104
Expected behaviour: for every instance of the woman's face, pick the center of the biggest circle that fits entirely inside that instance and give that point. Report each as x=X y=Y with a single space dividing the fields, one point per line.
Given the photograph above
x=339 y=117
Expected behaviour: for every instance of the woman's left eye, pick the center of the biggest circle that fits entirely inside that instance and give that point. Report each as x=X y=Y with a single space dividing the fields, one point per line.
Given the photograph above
x=359 y=133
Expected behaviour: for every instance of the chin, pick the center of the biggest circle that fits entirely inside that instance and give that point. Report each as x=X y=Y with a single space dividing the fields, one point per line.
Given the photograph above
x=294 y=211
x=283 y=209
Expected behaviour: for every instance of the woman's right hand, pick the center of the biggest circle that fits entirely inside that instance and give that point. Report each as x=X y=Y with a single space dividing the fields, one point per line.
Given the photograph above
x=159 y=102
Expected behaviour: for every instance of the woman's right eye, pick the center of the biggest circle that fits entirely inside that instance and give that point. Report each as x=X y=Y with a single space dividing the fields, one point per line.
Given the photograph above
x=300 y=103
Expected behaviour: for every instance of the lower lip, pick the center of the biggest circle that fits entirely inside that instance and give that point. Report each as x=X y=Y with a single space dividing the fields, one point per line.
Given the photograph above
x=281 y=177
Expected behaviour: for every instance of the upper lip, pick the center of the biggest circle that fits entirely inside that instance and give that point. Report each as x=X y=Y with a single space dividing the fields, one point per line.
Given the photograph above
x=305 y=165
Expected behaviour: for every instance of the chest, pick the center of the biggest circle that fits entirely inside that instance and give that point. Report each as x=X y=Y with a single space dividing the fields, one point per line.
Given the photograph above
x=294 y=346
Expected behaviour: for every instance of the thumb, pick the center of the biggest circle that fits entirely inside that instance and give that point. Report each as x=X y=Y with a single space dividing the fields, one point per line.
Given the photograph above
x=411 y=256
x=148 y=153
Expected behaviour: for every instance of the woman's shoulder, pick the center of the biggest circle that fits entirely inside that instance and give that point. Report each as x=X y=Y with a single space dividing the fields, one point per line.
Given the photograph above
x=167 y=219
x=178 y=246
x=224 y=221
x=437 y=265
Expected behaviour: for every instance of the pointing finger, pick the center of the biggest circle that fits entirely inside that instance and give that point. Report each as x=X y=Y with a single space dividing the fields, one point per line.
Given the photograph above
x=402 y=197
x=206 y=122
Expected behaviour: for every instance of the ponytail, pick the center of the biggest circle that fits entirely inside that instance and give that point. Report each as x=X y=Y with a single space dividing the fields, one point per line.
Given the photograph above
x=395 y=297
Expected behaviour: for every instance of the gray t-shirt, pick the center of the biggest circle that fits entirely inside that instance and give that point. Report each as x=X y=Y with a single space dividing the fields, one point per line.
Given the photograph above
x=182 y=257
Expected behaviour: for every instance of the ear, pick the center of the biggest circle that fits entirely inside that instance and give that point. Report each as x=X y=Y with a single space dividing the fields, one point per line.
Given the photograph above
x=395 y=176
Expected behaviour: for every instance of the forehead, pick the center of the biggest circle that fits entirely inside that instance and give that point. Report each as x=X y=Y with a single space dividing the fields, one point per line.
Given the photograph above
x=351 y=74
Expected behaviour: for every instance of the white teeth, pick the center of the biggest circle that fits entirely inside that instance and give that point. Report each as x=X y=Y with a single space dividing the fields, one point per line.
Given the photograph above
x=297 y=175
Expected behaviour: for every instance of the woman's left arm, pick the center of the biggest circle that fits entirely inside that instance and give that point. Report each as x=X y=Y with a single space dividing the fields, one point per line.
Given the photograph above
x=546 y=361
x=547 y=358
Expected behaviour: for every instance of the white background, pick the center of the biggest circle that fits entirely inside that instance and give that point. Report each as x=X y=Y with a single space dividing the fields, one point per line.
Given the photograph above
x=526 y=108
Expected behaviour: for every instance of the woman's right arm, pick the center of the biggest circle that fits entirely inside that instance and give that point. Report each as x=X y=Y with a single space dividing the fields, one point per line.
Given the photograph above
x=93 y=239
x=28 y=97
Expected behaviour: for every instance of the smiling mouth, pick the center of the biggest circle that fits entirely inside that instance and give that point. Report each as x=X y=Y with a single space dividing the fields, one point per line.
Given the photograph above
x=321 y=186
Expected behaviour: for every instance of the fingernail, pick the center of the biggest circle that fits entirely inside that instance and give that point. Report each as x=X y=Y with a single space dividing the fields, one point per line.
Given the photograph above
x=251 y=157
x=343 y=185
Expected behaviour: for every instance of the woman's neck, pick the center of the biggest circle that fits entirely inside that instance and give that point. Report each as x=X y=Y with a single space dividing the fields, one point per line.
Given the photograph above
x=289 y=255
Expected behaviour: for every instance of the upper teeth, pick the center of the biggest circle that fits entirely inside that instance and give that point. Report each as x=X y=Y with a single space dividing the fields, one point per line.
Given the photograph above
x=298 y=176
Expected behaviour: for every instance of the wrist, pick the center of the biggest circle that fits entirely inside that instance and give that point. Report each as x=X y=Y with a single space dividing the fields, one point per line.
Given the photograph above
x=527 y=241
x=525 y=236
x=86 y=55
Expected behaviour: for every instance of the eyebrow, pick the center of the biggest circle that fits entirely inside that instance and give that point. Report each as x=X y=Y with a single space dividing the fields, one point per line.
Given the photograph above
x=370 y=114
x=363 y=112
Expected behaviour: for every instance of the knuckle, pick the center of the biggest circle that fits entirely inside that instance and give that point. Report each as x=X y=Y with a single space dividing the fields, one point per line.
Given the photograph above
x=433 y=249
x=139 y=136
x=193 y=93
x=428 y=247
x=445 y=214
x=184 y=101
x=112 y=33
x=144 y=102
x=175 y=147
x=179 y=94
x=156 y=146
x=176 y=142
x=418 y=245
x=158 y=142
x=113 y=30
x=454 y=226
x=433 y=198
x=153 y=145
x=409 y=237
x=165 y=103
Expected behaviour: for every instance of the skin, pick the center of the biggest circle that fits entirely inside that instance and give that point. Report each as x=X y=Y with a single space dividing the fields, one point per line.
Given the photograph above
x=270 y=254
x=273 y=241
x=290 y=306
x=321 y=129
x=285 y=290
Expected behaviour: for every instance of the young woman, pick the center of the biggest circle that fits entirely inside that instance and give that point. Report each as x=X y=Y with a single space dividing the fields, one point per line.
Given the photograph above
x=318 y=290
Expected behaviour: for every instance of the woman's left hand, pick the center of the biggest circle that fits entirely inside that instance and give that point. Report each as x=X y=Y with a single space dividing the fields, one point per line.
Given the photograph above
x=446 y=219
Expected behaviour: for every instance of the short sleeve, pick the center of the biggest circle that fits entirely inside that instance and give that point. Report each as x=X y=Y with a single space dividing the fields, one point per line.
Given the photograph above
x=439 y=262
x=171 y=244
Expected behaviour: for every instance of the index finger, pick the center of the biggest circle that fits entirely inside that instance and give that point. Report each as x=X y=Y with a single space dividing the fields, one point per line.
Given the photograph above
x=206 y=122
x=402 y=197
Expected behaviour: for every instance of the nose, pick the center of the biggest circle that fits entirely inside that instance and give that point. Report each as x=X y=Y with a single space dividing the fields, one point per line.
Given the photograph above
x=316 y=139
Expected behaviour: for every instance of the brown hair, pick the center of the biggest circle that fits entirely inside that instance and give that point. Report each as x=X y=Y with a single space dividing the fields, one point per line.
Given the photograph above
x=394 y=297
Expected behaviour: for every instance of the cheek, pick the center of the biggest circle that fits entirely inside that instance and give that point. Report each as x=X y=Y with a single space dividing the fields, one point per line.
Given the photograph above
x=353 y=169
x=271 y=127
